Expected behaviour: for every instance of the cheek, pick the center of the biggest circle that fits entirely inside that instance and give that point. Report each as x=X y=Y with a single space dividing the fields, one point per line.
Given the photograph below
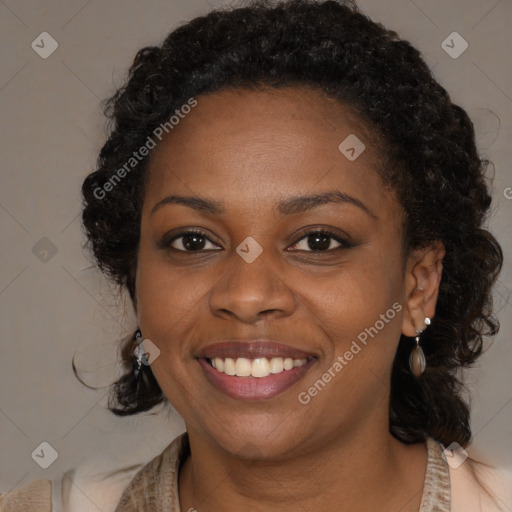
x=166 y=297
x=355 y=295
x=360 y=309
x=167 y=300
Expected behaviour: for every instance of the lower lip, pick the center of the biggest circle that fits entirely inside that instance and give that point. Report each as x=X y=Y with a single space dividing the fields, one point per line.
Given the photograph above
x=254 y=388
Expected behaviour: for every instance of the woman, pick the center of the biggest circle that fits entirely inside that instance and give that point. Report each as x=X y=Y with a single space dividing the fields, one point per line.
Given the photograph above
x=295 y=206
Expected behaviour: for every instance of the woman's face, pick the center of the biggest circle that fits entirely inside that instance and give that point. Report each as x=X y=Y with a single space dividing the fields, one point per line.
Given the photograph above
x=332 y=303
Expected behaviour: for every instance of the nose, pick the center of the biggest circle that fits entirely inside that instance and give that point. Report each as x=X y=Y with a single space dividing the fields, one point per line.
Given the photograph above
x=251 y=292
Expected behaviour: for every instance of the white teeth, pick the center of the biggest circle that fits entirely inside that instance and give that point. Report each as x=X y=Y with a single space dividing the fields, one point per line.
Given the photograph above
x=259 y=367
x=242 y=367
x=276 y=365
x=229 y=366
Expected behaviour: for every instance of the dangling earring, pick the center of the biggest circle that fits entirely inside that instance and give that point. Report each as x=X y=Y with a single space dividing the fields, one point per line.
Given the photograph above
x=138 y=365
x=417 y=361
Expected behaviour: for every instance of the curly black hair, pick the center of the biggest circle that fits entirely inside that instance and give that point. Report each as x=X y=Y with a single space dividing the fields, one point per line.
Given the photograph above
x=430 y=161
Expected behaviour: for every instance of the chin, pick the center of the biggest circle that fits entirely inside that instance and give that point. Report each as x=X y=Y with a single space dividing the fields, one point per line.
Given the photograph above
x=258 y=436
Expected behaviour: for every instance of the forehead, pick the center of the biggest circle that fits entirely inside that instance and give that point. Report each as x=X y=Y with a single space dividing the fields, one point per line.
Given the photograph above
x=246 y=140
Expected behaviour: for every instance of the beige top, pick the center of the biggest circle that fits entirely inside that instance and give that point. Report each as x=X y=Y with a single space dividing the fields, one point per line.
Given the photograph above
x=467 y=487
x=155 y=486
x=33 y=497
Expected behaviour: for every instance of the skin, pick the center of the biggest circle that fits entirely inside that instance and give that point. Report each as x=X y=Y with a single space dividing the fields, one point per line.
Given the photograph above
x=249 y=150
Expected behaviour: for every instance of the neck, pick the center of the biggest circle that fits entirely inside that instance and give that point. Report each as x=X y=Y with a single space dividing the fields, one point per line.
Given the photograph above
x=361 y=471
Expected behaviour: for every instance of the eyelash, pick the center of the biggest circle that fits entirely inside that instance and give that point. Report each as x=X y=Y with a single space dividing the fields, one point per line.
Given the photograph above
x=344 y=242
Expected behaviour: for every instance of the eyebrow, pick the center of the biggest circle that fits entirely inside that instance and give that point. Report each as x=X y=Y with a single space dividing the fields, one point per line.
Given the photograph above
x=290 y=206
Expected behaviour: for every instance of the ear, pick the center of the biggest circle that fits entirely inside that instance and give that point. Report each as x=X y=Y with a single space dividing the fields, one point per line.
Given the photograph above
x=423 y=275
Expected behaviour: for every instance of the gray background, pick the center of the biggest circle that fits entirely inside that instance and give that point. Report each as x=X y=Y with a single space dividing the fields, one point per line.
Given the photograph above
x=54 y=306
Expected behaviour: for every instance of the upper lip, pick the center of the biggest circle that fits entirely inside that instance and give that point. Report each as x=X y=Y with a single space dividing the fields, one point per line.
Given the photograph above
x=252 y=349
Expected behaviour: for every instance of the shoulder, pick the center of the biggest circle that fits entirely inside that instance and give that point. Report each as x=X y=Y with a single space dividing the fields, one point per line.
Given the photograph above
x=462 y=484
x=36 y=496
x=155 y=485
x=477 y=487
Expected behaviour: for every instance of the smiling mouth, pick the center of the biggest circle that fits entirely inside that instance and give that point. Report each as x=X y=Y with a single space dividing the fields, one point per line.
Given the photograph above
x=260 y=378
x=253 y=369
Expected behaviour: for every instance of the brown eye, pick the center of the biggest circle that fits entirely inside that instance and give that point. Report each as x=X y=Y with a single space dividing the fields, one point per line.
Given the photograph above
x=190 y=241
x=320 y=241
